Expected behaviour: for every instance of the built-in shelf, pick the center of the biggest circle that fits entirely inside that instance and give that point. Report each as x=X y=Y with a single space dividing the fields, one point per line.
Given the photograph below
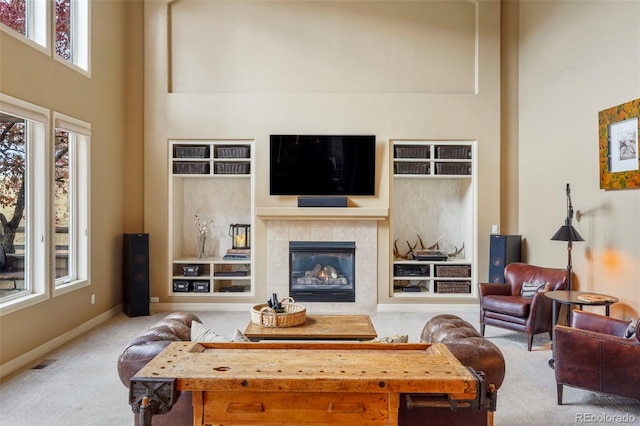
x=323 y=213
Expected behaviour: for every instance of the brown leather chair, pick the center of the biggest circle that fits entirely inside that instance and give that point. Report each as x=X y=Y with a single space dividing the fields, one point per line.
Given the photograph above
x=593 y=354
x=502 y=305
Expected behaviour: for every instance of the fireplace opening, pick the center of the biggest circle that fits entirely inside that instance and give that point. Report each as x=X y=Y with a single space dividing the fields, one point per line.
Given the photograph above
x=322 y=271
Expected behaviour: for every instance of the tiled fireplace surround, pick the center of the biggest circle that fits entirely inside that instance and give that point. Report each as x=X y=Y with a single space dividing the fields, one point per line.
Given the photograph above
x=363 y=232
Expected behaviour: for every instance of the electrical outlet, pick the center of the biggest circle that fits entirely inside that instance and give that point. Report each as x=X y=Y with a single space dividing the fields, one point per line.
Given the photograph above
x=93 y=299
x=155 y=300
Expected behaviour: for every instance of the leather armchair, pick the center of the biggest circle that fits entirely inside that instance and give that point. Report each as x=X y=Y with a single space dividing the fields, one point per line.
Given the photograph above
x=592 y=354
x=501 y=305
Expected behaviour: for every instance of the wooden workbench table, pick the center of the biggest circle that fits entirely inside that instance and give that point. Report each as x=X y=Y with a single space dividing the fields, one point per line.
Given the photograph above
x=306 y=383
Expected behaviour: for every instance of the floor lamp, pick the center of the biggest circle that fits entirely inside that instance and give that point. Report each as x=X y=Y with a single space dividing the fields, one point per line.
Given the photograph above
x=569 y=234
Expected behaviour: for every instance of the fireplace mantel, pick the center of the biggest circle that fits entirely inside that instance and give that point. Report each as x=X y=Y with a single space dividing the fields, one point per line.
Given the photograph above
x=322 y=213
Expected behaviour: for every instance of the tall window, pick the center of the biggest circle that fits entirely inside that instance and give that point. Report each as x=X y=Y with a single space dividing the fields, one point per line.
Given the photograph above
x=44 y=204
x=63 y=202
x=70 y=193
x=72 y=31
x=23 y=208
x=13 y=205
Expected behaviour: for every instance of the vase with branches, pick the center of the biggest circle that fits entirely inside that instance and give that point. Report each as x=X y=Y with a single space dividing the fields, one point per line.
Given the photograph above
x=203 y=230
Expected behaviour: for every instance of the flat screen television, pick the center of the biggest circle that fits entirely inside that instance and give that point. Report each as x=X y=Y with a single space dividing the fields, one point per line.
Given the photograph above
x=322 y=165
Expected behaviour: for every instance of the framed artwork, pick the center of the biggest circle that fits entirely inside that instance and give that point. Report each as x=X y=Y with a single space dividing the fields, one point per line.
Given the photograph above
x=618 y=140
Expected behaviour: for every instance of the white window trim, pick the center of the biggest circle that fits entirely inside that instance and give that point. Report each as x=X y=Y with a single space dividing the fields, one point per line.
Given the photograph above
x=80 y=33
x=40 y=32
x=38 y=27
x=81 y=184
x=38 y=206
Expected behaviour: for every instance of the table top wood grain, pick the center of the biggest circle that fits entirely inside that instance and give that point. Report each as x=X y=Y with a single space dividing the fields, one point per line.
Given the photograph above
x=313 y=367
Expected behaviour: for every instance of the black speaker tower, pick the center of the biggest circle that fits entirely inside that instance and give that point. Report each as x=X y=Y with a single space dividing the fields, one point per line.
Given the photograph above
x=503 y=250
x=135 y=275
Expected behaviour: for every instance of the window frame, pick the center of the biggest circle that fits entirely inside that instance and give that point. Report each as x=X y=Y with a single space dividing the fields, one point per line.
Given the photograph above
x=40 y=32
x=80 y=182
x=37 y=207
x=37 y=26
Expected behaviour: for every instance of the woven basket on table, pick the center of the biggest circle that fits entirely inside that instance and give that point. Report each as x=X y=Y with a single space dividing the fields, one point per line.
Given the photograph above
x=267 y=317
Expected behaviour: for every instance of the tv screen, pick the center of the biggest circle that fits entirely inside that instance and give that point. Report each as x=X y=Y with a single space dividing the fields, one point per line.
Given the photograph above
x=322 y=165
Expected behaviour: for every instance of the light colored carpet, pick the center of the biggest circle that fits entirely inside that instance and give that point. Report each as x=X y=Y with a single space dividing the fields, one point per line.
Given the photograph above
x=81 y=387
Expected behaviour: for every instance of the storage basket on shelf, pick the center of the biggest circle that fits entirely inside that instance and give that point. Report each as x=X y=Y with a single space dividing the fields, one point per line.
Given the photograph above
x=227 y=168
x=187 y=151
x=453 y=168
x=453 y=287
x=453 y=271
x=412 y=168
x=411 y=151
x=453 y=151
x=191 y=168
x=265 y=316
x=232 y=152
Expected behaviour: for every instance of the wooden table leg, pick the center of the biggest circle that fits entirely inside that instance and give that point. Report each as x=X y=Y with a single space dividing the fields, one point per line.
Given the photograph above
x=197 y=399
x=394 y=408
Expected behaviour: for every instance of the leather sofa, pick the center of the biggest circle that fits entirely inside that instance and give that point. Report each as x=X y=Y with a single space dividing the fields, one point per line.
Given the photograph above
x=459 y=336
x=593 y=354
x=472 y=350
x=174 y=327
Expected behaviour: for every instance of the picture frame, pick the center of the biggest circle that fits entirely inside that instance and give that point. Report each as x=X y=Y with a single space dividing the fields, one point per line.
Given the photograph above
x=619 y=146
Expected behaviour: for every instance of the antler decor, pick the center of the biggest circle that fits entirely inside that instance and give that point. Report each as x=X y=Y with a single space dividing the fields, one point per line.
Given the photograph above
x=457 y=252
x=409 y=255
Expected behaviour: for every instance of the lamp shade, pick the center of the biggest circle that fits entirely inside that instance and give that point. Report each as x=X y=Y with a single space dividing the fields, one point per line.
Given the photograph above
x=567 y=233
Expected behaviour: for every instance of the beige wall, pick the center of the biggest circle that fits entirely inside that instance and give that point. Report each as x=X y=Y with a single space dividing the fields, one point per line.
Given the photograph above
x=578 y=58
x=100 y=100
x=250 y=69
x=567 y=69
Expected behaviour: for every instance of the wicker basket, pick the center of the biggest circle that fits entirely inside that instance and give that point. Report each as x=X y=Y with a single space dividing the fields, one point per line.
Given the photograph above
x=453 y=168
x=232 y=152
x=228 y=168
x=188 y=168
x=453 y=287
x=267 y=317
x=453 y=151
x=186 y=151
x=456 y=271
x=411 y=151
x=412 y=168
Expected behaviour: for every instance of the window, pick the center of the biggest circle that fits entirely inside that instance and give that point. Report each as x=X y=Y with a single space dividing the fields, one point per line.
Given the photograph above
x=28 y=19
x=44 y=204
x=23 y=209
x=70 y=193
x=72 y=32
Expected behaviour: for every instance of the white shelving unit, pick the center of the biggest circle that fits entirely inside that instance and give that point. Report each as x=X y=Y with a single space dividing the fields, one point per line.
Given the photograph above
x=437 y=159
x=434 y=200
x=207 y=174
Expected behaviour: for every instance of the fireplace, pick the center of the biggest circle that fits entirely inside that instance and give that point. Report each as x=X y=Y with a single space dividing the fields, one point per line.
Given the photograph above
x=322 y=271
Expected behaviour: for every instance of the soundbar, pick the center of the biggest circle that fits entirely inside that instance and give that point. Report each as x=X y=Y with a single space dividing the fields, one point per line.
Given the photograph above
x=322 y=201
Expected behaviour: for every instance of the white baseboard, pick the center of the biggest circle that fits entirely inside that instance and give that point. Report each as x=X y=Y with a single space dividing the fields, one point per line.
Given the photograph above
x=196 y=307
x=37 y=353
x=246 y=307
x=430 y=308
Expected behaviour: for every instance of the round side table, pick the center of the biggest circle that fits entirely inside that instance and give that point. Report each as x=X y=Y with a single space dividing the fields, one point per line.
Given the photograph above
x=580 y=298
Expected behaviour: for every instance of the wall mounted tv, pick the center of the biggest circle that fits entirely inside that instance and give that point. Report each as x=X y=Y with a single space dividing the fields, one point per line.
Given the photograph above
x=322 y=165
